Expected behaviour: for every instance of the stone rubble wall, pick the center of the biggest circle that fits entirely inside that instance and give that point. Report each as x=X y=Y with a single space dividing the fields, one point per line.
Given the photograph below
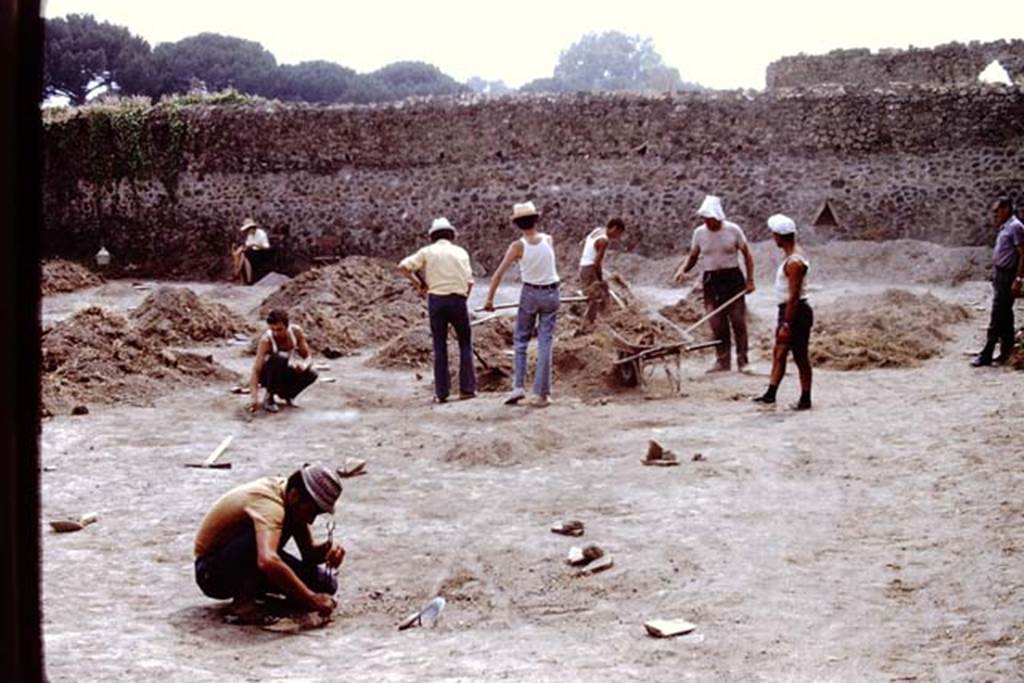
x=952 y=63
x=168 y=199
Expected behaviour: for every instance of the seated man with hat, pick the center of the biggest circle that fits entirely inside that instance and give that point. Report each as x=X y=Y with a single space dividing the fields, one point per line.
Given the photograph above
x=446 y=281
x=239 y=549
x=252 y=257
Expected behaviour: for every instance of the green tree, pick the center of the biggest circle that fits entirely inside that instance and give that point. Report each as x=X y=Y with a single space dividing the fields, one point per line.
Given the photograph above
x=315 y=81
x=219 y=61
x=485 y=87
x=615 y=61
x=408 y=79
x=82 y=56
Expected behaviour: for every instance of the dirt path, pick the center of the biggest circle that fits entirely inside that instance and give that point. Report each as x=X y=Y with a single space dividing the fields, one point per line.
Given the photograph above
x=877 y=536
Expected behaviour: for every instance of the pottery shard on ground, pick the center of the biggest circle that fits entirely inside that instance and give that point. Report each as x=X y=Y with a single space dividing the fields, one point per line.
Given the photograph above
x=598 y=565
x=353 y=467
x=582 y=556
x=658 y=456
x=666 y=628
x=64 y=526
x=573 y=527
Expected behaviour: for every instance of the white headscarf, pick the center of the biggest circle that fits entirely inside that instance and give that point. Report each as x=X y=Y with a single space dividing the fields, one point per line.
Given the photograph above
x=781 y=224
x=711 y=207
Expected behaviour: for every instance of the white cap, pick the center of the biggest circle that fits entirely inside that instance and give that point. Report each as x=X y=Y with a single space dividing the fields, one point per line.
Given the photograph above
x=523 y=210
x=711 y=207
x=781 y=224
x=440 y=224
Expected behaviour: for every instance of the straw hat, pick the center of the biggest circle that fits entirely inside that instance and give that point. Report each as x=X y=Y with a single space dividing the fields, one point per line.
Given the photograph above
x=523 y=210
x=249 y=223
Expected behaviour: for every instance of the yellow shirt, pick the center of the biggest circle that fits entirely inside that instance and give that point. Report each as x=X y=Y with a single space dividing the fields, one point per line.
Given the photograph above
x=445 y=267
x=259 y=503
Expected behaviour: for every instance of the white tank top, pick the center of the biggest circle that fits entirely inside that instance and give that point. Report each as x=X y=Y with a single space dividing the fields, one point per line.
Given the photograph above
x=291 y=338
x=589 y=257
x=537 y=266
x=782 y=282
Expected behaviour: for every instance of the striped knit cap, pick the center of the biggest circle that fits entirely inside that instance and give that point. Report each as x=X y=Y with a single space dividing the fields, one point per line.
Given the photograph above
x=323 y=486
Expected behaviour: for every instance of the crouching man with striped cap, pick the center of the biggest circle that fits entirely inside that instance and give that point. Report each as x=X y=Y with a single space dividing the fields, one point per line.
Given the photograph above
x=239 y=549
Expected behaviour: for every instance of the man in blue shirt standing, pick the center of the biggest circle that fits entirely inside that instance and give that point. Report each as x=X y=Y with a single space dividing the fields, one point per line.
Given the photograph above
x=1007 y=282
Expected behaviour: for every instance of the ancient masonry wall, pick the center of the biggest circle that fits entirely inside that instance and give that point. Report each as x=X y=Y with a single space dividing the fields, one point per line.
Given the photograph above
x=948 y=64
x=166 y=189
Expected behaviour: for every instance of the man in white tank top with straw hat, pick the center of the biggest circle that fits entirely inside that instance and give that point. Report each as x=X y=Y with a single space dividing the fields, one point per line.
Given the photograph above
x=538 y=302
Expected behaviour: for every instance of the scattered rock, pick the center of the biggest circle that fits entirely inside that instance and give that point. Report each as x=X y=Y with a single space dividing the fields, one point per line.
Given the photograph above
x=585 y=555
x=80 y=410
x=573 y=527
x=77 y=524
x=698 y=457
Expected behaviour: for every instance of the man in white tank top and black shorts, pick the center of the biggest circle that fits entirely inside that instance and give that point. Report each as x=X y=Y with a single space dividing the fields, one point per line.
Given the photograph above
x=718 y=244
x=538 y=302
x=591 y=266
x=795 y=315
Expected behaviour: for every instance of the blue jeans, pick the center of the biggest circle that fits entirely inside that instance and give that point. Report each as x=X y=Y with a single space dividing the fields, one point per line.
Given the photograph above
x=224 y=573
x=450 y=309
x=538 y=311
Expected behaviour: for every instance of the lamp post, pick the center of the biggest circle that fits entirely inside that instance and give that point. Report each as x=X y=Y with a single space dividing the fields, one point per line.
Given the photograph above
x=103 y=257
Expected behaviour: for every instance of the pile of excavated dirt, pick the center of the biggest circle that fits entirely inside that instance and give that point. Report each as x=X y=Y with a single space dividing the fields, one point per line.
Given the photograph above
x=359 y=301
x=66 y=276
x=177 y=315
x=97 y=356
x=897 y=329
x=687 y=310
x=413 y=349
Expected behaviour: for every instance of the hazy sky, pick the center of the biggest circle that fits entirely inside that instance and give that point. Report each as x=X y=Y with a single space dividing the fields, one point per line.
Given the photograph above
x=719 y=43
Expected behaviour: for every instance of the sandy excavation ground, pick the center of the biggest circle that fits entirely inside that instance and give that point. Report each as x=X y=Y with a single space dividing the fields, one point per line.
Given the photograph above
x=876 y=537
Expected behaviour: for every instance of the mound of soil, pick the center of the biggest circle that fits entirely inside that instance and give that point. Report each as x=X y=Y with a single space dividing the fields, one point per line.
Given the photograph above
x=898 y=329
x=177 y=315
x=413 y=349
x=66 y=276
x=359 y=301
x=687 y=310
x=97 y=356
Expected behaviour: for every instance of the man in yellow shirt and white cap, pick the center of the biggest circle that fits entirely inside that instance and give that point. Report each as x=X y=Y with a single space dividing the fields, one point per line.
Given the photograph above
x=441 y=271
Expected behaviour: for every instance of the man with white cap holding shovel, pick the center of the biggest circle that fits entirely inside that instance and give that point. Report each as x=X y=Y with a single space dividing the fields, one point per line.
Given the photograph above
x=718 y=243
x=539 y=298
x=795 y=315
x=239 y=549
x=446 y=281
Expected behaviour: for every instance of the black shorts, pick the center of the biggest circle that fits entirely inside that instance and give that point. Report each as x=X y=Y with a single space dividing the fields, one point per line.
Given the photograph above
x=800 y=327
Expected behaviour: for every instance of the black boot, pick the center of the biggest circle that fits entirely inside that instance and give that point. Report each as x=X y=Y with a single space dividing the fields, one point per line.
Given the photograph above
x=768 y=397
x=985 y=357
